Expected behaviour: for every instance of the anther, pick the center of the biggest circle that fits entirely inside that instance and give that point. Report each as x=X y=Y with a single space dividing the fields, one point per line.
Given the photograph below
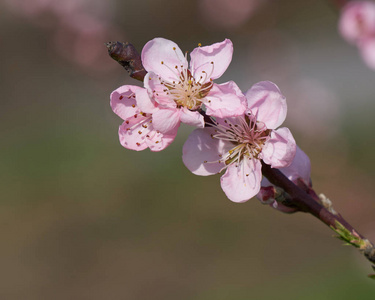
x=121 y=97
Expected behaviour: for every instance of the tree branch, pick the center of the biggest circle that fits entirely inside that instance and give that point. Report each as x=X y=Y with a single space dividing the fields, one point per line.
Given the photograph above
x=128 y=57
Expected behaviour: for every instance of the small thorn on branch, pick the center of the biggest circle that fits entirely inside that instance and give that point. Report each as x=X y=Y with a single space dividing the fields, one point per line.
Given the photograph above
x=128 y=57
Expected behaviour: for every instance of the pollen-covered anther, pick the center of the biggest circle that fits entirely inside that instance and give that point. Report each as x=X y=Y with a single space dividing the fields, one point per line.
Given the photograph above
x=187 y=91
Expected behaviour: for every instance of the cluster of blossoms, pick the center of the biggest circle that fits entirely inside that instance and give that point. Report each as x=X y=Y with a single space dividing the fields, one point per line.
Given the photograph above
x=238 y=132
x=357 y=26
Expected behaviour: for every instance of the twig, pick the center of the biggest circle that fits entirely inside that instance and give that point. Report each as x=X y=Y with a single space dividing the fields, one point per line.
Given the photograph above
x=128 y=57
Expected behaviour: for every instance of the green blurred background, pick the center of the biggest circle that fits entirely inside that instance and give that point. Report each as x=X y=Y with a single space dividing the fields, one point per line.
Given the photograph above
x=83 y=218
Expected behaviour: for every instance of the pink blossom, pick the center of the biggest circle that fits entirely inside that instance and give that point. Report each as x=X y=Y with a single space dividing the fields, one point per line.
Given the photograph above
x=298 y=172
x=238 y=144
x=176 y=92
x=357 y=21
x=357 y=26
x=137 y=131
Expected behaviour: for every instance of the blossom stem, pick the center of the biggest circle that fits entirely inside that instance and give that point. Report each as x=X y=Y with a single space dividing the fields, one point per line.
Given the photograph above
x=128 y=57
x=307 y=203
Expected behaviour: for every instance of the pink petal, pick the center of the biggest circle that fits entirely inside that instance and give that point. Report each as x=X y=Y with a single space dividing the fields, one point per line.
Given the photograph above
x=157 y=91
x=243 y=182
x=201 y=153
x=280 y=149
x=137 y=133
x=161 y=56
x=159 y=141
x=144 y=102
x=225 y=100
x=210 y=62
x=267 y=103
x=357 y=21
x=132 y=135
x=300 y=167
x=123 y=101
x=166 y=120
x=192 y=118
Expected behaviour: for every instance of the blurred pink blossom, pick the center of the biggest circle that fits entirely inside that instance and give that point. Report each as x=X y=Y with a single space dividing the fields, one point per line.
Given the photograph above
x=357 y=21
x=357 y=26
x=79 y=27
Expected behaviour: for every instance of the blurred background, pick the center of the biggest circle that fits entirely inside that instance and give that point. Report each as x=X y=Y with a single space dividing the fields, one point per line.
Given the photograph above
x=83 y=218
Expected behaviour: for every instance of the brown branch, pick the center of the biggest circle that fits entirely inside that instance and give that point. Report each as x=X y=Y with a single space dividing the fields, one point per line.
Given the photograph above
x=307 y=203
x=128 y=57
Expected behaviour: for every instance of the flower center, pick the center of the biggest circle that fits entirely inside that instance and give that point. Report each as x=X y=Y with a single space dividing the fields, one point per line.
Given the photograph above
x=247 y=135
x=187 y=91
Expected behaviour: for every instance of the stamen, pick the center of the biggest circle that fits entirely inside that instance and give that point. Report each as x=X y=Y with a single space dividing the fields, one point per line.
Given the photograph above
x=247 y=135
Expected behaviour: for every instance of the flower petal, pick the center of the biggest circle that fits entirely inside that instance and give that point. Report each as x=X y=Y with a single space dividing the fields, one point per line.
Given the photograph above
x=161 y=56
x=267 y=103
x=157 y=91
x=242 y=182
x=201 y=153
x=165 y=120
x=225 y=100
x=144 y=102
x=137 y=133
x=210 y=62
x=280 y=149
x=192 y=118
x=357 y=21
x=158 y=141
x=132 y=135
x=300 y=167
x=123 y=101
